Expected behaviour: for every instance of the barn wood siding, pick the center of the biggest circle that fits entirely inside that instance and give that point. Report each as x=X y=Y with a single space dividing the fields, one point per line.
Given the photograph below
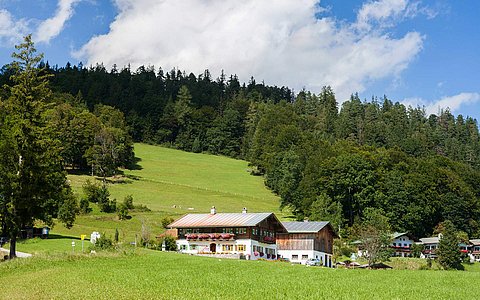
x=321 y=241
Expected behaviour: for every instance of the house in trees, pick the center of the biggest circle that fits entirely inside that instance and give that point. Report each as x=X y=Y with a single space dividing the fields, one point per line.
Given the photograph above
x=402 y=244
x=306 y=240
x=475 y=249
x=430 y=246
x=234 y=235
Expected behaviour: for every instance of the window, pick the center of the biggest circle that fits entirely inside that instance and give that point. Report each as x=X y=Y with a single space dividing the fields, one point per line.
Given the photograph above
x=193 y=247
x=240 y=248
x=183 y=247
x=294 y=257
x=304 y=257
x=227 y=248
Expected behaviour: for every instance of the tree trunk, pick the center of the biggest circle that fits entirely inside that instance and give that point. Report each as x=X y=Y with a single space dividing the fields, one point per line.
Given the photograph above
x=13 y=247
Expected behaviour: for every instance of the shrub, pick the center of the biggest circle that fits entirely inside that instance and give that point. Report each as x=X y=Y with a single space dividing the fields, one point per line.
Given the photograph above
x=103 y=243
x=85 y=206
x=122 y=212
x=128 y=202
x=167 y=221
x=170 y=243
x=94 y=192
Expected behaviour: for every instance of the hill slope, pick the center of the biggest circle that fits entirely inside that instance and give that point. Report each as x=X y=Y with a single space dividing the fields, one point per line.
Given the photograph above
x=173 y=181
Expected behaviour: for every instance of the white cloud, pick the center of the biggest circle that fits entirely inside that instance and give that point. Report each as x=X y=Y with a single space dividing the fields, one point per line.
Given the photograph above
x=453 y=103
x=281 y=42
x=11 y=30
x=52 y=27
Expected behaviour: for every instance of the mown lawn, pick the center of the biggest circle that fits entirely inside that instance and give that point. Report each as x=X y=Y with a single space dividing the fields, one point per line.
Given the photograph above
x=178 y=182
x=157 y=275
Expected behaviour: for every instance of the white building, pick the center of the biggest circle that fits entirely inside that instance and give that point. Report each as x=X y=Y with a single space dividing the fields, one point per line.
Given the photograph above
x=234 y=235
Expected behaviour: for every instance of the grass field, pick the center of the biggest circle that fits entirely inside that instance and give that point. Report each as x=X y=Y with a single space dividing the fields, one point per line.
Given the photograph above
x=172 y=183
x=158 y=275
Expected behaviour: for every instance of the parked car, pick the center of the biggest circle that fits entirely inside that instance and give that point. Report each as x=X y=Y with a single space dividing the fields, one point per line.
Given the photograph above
x=313 y=262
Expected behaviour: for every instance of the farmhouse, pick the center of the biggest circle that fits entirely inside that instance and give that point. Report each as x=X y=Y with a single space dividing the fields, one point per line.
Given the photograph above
x=234 y=235
x=402 y=244
x=306 y=240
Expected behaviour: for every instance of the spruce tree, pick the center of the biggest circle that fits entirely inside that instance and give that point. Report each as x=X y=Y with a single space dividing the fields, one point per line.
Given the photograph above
x=449 y=256
x=33 y=185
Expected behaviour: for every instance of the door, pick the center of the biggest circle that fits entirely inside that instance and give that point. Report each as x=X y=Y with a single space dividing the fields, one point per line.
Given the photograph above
x=213 y=247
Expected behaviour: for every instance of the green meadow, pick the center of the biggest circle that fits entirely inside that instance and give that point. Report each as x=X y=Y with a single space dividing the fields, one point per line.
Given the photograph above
x=173 y=183
x=179 y=182
x=145 y=274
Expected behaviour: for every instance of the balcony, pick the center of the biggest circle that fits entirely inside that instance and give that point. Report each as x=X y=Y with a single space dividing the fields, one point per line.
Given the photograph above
x=210 y=236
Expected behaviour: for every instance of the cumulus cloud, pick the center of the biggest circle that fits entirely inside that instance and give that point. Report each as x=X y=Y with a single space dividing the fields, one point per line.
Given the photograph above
x=11 y=30
x=453 y=103
x=51 y=27
x=283 y=42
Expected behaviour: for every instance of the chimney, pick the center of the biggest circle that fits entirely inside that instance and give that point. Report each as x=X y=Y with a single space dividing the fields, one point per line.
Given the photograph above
x=244 y=210
x=213 y=210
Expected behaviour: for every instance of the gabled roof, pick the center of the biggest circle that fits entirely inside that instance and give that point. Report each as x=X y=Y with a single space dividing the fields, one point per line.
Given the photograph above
x=220 y=220
x=430 y=240
x=304 y=227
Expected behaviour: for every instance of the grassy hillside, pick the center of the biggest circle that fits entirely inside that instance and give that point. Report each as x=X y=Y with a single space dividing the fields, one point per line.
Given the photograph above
x=172 y=183
x=169 y=177
x=158 y=275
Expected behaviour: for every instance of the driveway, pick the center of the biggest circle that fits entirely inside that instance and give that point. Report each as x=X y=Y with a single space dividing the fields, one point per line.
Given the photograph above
x=19 y=254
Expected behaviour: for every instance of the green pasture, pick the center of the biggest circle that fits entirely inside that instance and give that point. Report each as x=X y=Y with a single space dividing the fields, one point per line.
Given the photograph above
x=179 y=182
x=158 y=275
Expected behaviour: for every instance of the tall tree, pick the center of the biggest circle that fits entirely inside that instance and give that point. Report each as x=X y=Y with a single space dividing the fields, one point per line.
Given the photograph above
x=33 y=185
x=449 y=256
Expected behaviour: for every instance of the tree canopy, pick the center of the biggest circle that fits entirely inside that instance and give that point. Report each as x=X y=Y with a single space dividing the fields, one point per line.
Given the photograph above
x=33 y=184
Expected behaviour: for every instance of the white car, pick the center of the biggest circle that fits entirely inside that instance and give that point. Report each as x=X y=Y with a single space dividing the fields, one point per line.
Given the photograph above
x=313 y=262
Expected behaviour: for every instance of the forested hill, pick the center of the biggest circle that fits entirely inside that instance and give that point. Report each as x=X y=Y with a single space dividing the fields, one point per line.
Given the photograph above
x=326 y=163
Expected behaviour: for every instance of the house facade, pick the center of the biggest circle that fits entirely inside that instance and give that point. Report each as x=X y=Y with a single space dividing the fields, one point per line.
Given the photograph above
x=233 y=235
x=307 y=240
x=402 y=244
x=475 y=249
x=430 y=246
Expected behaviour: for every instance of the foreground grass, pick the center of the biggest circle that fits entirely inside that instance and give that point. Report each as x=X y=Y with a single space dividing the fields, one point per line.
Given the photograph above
x=177 y=182
x=158 y=275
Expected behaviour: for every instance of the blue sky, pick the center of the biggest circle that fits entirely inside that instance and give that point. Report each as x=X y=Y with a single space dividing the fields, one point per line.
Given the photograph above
x=417 y=52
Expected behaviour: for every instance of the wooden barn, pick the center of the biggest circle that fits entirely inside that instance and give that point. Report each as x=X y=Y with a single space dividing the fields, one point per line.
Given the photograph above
x=307 y=240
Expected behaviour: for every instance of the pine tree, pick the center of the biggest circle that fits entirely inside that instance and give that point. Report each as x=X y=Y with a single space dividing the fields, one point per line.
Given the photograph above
x=449 y=256
x=33 y=185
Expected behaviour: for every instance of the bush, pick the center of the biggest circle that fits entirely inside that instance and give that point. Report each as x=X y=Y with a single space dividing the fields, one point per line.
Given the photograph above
x=95 y=192
x=128 y=202
x=167 y=221
x=85 y=206
x=122 y=212
x=170 y=243
x=103 y=243
x=107 y=205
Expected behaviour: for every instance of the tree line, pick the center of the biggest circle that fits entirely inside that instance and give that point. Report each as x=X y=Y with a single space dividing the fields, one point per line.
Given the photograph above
x=325 y=162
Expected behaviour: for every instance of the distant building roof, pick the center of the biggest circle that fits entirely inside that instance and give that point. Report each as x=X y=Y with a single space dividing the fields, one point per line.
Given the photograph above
x=396 y=235
x=220 y=220
x=475 y=242
x=304 y=227
x=430 y=240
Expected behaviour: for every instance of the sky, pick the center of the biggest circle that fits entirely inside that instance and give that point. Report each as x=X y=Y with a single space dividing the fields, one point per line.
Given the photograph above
x=420 y=53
